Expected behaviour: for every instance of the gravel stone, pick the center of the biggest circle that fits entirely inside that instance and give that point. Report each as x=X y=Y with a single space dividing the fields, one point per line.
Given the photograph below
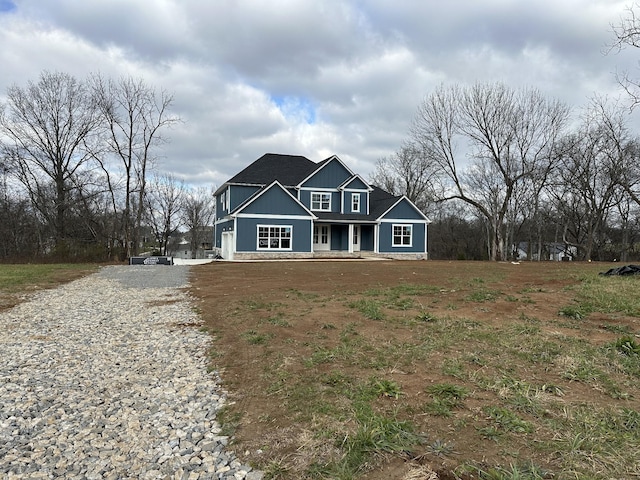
x=106 y=377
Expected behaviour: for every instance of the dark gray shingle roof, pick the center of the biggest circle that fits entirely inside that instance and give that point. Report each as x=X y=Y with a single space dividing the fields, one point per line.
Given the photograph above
x=289 y=170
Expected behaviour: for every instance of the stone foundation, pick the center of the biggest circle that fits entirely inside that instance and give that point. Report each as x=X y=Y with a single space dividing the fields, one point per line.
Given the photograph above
x=331 y=254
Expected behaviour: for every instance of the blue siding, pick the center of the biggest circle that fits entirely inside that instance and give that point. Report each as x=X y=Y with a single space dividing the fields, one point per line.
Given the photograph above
x=366 y=237
x=222 y=227
x=357 y=184
x=275 y=201
x=339 y=237
x=239 y=193
x=386 y=239
x=364 y=199
x=246 y=234
x=332 y=175
x=220 y=212
x=404 y=210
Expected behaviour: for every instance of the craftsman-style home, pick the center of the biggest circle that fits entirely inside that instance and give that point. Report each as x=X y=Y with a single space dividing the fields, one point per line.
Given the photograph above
x=287 y=206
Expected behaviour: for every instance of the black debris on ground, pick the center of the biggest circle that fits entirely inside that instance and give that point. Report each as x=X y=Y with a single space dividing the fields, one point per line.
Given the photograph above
x=625 y=270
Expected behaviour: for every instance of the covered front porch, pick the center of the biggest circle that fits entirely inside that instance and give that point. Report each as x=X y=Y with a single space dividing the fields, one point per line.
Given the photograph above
x=331 y=238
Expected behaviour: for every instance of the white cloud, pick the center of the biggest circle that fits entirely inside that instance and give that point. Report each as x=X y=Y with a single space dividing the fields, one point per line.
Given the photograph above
x=315 y=77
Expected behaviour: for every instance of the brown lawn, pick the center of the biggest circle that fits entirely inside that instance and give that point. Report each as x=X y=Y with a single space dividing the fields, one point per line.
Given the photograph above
x=297 y=344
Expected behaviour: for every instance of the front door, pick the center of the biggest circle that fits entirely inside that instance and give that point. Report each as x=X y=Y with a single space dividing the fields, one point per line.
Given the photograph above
x=356 y=238
x=321 y=237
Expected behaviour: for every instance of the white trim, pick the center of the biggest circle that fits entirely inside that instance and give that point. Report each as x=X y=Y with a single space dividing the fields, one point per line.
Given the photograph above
x=259 y=193
x=273 y=216
x=228 y=218
x=426 y=233
x=403 y=220
x=318 y=189
x=402 y=245
x=350 y=235
x=235 y=237
x=376 y=238
x=269 y=249
x=352 y=220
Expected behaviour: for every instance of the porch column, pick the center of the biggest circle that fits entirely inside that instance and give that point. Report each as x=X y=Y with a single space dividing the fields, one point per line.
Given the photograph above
x=376 y=238
x=350 y=238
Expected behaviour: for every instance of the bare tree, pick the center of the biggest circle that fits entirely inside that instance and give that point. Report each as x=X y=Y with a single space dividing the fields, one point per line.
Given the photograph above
x=46 y=124
x=591 y=170
x=164 y=204
x=198 y=214
x=506 y=134
x=627 y=34
x=408 y=172
x=134 y=115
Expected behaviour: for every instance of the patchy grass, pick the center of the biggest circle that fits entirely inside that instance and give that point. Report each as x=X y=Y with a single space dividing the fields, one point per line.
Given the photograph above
x=465 y=370
x=16 y=280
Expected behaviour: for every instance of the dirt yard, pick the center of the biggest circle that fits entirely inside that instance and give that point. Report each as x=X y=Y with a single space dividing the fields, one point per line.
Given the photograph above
x=296 y=341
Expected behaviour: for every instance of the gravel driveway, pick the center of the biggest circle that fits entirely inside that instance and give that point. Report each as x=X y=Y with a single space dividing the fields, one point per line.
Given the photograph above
x=106 y=377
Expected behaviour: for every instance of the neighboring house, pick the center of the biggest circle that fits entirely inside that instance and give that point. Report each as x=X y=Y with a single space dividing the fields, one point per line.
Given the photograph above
x=286 y=206
x=203 y=250
x=554 y=251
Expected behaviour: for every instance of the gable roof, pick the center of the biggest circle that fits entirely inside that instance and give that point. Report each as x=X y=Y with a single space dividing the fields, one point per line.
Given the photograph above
x=263 y=191
x=320 y=165
x=294 y=170
x=390 y=204
x=355 y=179
x=287 y=169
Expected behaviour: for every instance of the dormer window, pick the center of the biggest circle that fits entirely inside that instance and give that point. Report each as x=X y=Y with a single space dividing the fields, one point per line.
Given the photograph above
x=321 y=201
x=355 y=202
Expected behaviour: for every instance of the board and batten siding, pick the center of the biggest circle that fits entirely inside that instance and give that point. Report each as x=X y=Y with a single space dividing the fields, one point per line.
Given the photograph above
x=247 y=233
x=275 y=201
x=385 y=232
x=240 y=193
x=331 y=175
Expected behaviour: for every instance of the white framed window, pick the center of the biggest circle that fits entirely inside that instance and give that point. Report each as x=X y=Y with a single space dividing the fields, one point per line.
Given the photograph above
x=275 y=237
x=321 y=201
x=402 y=235
x=355 y=202
x=224 y=200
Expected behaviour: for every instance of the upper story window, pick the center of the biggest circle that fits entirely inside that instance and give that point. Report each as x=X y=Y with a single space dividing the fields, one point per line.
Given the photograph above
x=402 y=235
x=355 y=202
x=320 y=201
x=224 y=200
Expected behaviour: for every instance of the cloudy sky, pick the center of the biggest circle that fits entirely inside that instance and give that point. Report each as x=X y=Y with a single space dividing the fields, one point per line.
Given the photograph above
x=311 y=77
